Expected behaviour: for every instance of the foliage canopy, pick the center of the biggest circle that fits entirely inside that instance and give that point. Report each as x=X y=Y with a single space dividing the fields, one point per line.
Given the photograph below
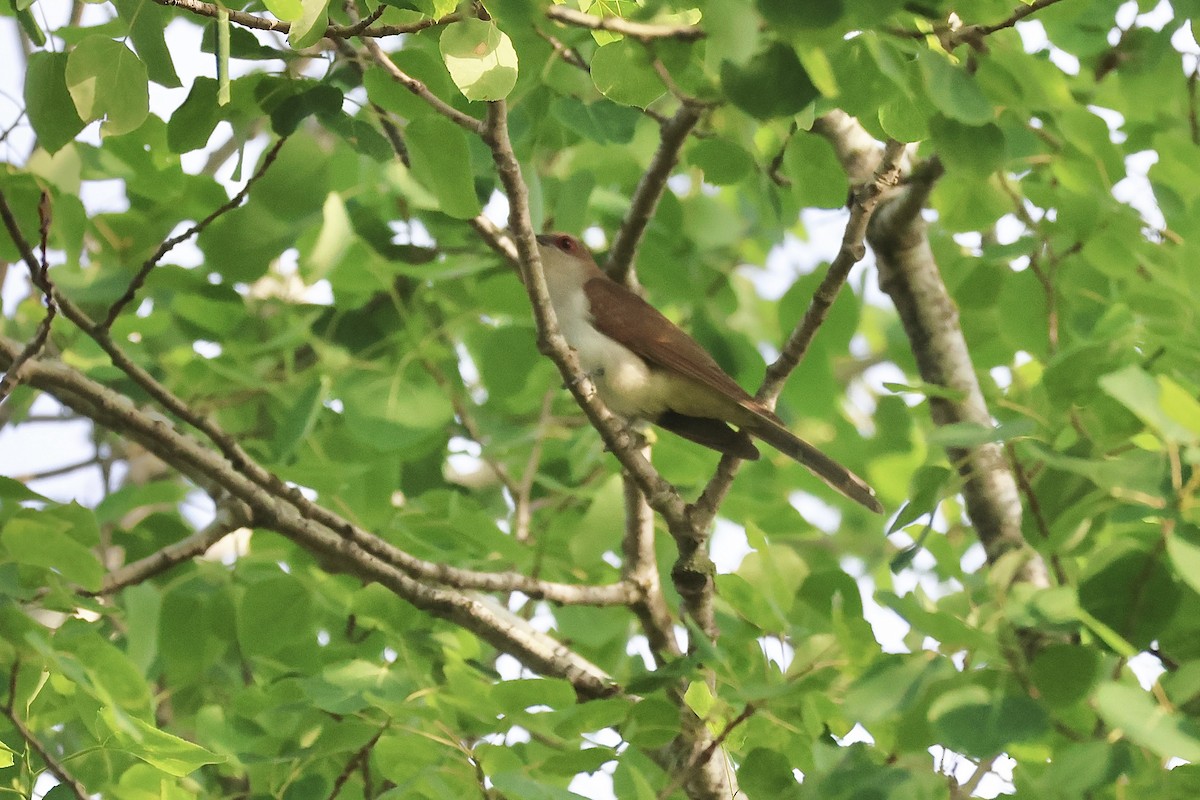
x=274 y=283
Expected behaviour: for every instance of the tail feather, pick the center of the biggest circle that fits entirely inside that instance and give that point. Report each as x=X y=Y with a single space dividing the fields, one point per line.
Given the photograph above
x=821 y=465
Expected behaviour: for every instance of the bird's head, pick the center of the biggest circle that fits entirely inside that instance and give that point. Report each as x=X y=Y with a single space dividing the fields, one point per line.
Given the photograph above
x=563 y=253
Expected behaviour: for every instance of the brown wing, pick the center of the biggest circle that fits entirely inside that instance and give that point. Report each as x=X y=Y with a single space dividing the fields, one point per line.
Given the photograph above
x=639 y=326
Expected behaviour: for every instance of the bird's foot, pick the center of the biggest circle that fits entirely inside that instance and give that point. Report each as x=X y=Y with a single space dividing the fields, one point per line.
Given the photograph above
x=592 y=376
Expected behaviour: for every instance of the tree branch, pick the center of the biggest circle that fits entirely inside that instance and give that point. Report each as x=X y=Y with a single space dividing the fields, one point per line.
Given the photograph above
x=149 y=264
x=640 y=568
x=661 y=495
x=465 y=121
x=55 y=766
x=866 y=197
x=39 y=275
x=230 y=517
x=643 y=32
x=248 y=20
x=649 y=191
x=339 y=541
x=908 y=273
x=863 y=202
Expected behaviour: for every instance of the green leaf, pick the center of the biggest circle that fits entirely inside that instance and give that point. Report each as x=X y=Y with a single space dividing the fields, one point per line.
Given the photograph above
x=1064 y=674
x=975 y=721
x=516 y=695
x=1183 y=547
x=48 y=102
x=480 y=58
x=28 y=23
x=699 y=699
x=723 y=161
x=286 y=10
x=1138 y=391
x=1131 y=711
x=953 y=91
x=441 y=161
x=147 y=22
x=623 y=73
x=970 y=434
x=600 y=122
x=13 y=489
x=927 y=485
x=42 y=541
x=1128 y=588
x=977 y=150
x=162 y=750
x=772 y=84
x=274 y=613
x=107 y=81
x=903 y=119
x=290 y=102
x=299 y=417
x=309 y=27
x=766 y=773
x=817 y=177
x=190 y=127
x=516 y=784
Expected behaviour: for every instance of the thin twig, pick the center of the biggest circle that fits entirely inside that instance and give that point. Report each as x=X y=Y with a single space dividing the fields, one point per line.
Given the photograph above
x=67 y=469
x=498 y=240
x=522 y=498
x=566 y=53
x=248 y=20
x=54 y=766
x=360 y=758
x=169 y=244
x=851 y=252
x=368 y=557
x=230 y=517
x=649 y=190
x=642 y=31
x=612 y=594
x=417 y=87
x=1035 y=508
x=702 y=756
x=640 y=568
x=39 y=274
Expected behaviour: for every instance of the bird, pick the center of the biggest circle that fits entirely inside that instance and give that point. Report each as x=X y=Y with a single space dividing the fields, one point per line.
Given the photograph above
x=646 y=368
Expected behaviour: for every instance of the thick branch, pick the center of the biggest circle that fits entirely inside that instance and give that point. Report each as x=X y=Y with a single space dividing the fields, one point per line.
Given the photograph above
x=643 y=32
x=342 y=543
x=908 y=273
x=615 y=594
x=649 y=190
x=640 y=568
x=661 y=495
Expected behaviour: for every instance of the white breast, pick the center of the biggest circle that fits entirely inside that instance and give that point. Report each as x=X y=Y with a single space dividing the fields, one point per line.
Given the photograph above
x=626 y=385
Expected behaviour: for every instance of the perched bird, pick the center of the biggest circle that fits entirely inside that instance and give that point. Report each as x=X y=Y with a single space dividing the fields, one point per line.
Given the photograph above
x=646 y=368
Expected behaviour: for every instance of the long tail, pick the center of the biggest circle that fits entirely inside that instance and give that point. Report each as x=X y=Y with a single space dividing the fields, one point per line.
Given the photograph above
x=820 y=464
